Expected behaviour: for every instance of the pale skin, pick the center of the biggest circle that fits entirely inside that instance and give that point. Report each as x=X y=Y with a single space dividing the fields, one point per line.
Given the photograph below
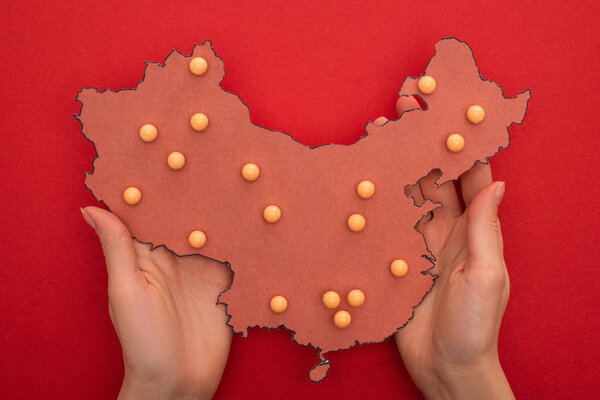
x=175 y=340
x=450 y=348
x=174 y=336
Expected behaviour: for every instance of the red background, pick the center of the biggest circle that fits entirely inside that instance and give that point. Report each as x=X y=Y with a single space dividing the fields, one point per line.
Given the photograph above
x=318 y=72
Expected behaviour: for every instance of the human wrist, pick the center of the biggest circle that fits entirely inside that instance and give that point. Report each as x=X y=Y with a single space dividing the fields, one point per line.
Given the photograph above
x=136 y=388
x=483 y=380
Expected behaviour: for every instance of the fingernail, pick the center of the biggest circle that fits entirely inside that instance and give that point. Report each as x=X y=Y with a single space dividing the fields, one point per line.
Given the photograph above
x=499 y=193
x=87 y=218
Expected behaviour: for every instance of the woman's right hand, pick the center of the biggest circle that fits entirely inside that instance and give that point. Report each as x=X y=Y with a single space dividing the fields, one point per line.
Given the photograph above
x=450 y=347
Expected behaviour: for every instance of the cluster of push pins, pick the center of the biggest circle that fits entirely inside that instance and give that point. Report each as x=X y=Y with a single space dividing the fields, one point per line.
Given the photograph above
x=475 y=114
x=272 y=214
x=356 y=297
x=331 y=299
x=176 y=160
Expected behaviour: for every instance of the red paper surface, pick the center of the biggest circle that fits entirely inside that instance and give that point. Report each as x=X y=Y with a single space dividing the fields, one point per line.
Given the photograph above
x=317 y=72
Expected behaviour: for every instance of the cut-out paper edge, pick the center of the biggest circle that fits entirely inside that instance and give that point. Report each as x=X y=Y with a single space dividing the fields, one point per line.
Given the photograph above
x=228 y=264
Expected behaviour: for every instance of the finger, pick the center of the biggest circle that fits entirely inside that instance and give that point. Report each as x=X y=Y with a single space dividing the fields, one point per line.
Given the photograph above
x=414 y=191
x=483 y=230
x=406 y=103
x=474 y=180
x=117 y=244
x=422 y=226
x=445 y=194
x=380 y=121
x=158 y=262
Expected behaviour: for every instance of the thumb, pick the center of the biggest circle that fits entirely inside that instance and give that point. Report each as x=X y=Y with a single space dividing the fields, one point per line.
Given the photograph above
x=483 y=228
x=116 y=241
